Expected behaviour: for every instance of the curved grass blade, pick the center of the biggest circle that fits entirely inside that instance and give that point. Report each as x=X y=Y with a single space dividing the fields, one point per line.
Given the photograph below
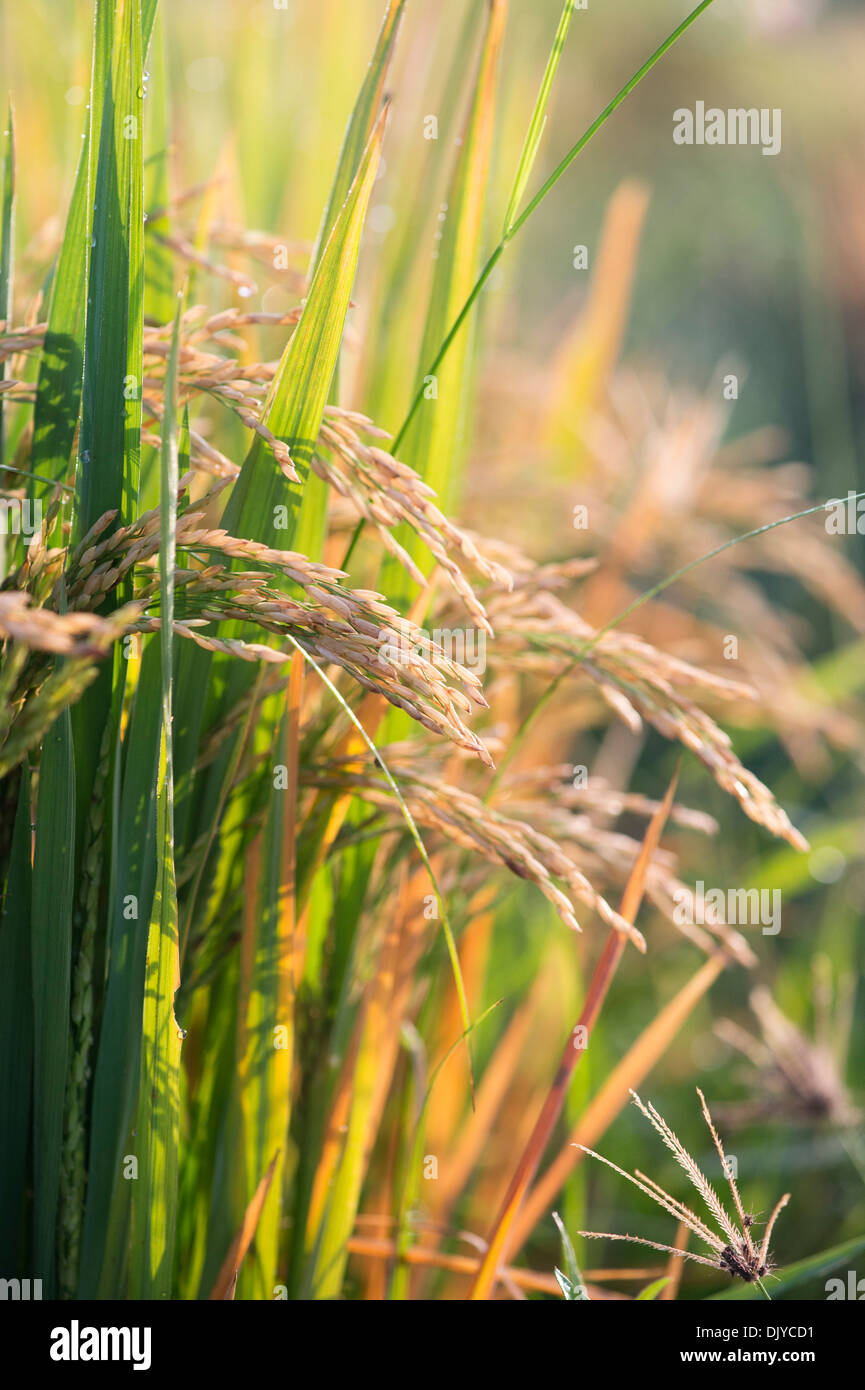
x=700 y=560
x=651 y=1291
x=645 y=597
x=571 y=1282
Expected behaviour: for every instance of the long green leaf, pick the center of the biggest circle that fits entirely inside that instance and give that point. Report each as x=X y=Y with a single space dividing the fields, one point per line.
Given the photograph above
x=158 y=259
x=7 y=251
x=111 y=283
x=109 y=445
x=116 y=1073
x=298 y=394
x=571 y=1282
x=51 y=938
x=16 y=1036
x=264 y=505
x=331 y=1250
x=267 y=1040
x=154 y=1200
x=109 y=439
x=651 y=1291
x=434 y=444
x=403 y=259
x=58 y=390
x=58 y=394
x=313 y=509
x=361 y=123
x=539 y=115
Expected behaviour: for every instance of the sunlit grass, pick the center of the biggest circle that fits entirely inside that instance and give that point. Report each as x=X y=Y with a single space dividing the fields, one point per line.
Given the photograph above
x=282 y=975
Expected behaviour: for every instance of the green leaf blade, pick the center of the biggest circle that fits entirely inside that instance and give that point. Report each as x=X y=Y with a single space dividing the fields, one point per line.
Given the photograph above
x=154 y=1200
x=53 y=890
x=16 y=1036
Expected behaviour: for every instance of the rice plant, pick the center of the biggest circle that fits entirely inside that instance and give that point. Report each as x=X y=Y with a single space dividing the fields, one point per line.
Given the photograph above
x=735 y=1249
x=305 y=875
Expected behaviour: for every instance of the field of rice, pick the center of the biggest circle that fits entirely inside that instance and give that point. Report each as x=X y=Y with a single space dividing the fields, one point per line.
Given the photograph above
x=432 y=650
